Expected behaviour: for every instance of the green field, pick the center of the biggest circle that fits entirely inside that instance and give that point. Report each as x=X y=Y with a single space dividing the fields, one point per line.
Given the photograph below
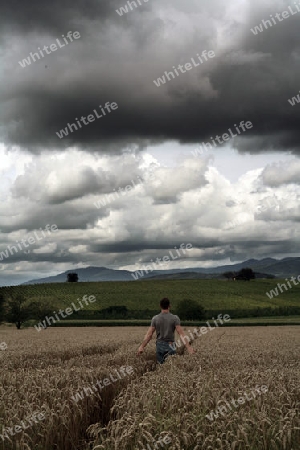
x=145 y=295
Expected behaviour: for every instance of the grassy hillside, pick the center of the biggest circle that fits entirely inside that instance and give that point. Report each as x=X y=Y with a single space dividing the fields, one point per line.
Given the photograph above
x=142 y=295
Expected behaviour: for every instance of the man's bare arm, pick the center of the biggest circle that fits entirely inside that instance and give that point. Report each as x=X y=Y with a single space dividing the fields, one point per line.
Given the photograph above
x=147 y=339
x=185 y=339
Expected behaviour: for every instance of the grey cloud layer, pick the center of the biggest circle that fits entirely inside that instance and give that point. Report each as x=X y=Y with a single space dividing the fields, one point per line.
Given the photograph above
x=117 y=59
x=141 y=224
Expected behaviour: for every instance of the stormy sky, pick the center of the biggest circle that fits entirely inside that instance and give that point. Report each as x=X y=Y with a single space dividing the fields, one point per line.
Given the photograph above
x=235 y=198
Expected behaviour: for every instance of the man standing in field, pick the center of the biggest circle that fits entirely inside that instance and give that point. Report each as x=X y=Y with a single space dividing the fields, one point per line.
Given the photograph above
x=165 y=324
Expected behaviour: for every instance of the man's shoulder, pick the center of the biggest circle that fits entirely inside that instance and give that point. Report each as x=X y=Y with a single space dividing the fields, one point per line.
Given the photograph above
x=154 y=317
x=175 y=318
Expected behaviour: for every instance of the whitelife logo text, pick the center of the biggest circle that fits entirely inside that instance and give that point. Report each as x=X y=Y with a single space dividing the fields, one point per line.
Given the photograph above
x=31 y=241
x=294 y=100
x=68 y=311
x=265 y=24
x=161 y=261
x=53 y=47
x=188 y=66
x=92 y=389
x=113 y=196
x=124 y=9
x=243 y=127
x=91 y=118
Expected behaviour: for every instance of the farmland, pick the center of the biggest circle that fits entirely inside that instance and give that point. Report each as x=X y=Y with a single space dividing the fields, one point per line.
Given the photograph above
x=145 y=295
x=43 y=372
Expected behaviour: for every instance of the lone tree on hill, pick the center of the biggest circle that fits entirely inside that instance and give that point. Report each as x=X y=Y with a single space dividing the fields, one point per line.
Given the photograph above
x=245 y=274
x=72 y=277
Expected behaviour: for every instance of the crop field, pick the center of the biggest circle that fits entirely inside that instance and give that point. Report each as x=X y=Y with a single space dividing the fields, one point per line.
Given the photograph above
x=85 y=388
x=142 y=295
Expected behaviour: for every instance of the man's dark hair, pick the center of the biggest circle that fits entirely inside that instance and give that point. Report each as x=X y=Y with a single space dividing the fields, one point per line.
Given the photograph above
x=164 y=303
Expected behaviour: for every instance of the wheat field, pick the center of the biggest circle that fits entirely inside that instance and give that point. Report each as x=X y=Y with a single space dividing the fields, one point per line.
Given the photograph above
x=175 y=403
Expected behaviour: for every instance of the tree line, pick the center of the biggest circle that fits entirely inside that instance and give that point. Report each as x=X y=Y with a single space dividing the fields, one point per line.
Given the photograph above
x=16 y=309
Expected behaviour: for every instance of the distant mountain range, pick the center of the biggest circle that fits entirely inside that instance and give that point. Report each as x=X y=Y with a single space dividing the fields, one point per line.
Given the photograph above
x=282 y=268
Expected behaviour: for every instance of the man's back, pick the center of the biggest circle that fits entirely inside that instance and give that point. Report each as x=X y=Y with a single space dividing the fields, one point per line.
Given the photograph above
x=165 y=324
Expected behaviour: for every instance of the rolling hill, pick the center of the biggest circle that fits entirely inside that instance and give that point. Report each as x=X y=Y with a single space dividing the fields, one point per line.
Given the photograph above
x=283 y=268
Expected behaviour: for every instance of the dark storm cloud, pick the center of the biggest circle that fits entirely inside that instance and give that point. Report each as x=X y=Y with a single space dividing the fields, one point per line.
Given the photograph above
x=54 y=16
x=249 y=79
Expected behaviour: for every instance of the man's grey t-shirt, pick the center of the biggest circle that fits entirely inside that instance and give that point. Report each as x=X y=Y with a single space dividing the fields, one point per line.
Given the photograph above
x=164 y=324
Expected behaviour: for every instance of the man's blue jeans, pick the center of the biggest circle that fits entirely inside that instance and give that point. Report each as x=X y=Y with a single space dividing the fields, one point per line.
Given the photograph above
x=163 y=350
